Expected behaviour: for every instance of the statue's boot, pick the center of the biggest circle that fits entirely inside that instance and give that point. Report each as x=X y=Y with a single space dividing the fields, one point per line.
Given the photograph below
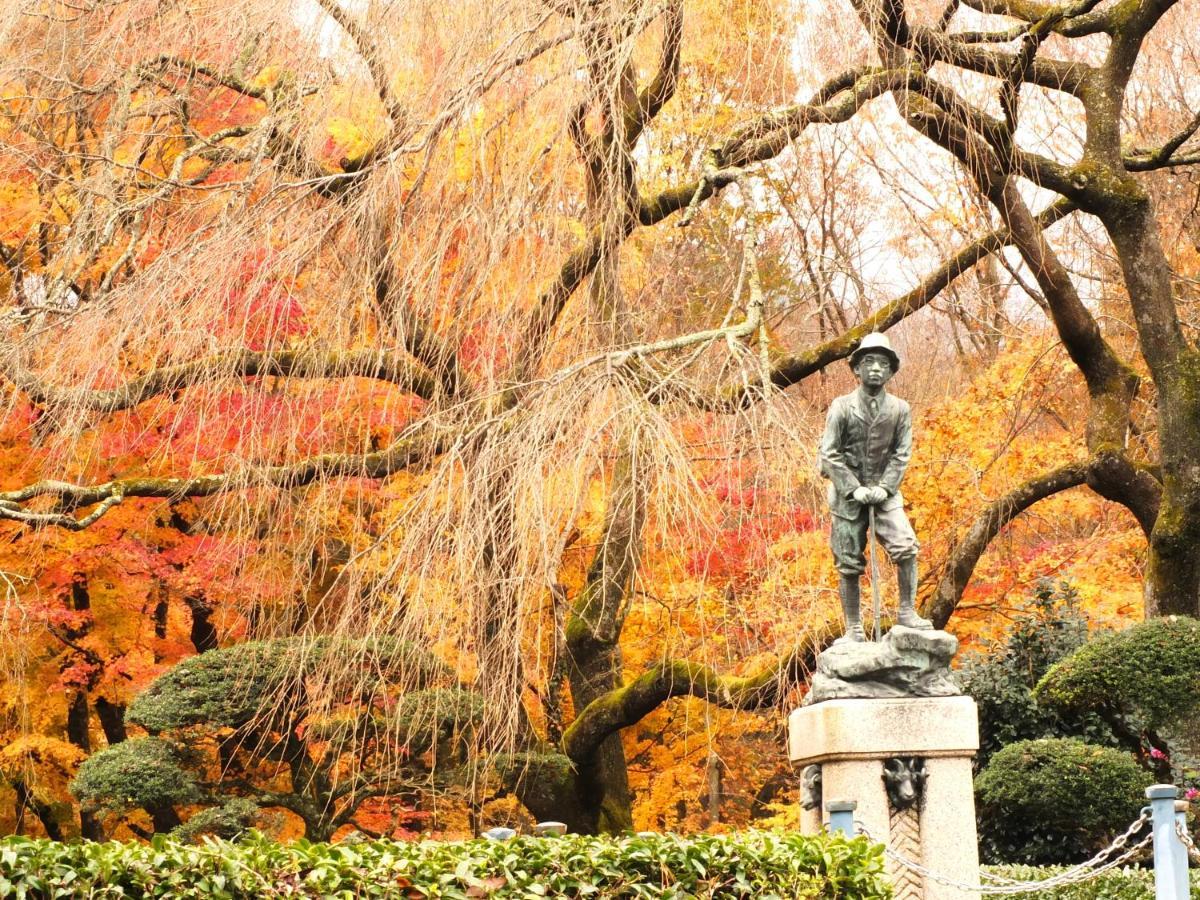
x=906 y=574
x=848 y=590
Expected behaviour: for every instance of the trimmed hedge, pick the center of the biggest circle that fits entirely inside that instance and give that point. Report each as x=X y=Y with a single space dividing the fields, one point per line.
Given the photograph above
x=1116 y=884
x=1150 y=669
x=1056 y=800
x=749 y=864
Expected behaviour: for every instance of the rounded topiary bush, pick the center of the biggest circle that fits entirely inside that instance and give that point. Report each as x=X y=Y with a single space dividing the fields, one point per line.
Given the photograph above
x=144 y=772
x=1056 y=800
x=1150 y=670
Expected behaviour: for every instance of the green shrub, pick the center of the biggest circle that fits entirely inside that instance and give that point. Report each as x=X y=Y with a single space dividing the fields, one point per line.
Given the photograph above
x=1150 y=671
x=235 y=712
x=1115 y=884
x=1056 y=800
x=238 y=685
x=143 y=772
x=761 y=865
x=1001 y=678
x=230 y=820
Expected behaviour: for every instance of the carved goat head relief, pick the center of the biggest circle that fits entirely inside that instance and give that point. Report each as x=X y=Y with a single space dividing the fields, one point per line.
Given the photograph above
x=904 y=778
x=810 y=787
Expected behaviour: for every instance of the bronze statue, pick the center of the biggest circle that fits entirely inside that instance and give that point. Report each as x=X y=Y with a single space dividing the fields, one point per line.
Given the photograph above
x=864 y=452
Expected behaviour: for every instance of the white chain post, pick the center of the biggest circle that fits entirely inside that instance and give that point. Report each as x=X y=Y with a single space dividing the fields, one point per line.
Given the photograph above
x=1170 y=853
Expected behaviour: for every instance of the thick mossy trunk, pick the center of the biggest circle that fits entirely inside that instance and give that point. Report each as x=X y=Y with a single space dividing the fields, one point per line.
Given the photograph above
x=1173 y=576
x=602 y=783
x=593 y=636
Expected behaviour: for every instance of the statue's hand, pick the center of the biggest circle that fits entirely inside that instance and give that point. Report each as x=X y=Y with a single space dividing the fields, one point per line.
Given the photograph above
x=878 y=494
x=863 y=494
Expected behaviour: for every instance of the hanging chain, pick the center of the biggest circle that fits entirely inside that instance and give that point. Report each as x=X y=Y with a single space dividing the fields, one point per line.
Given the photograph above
x=1084 y=871
x=1186 y=839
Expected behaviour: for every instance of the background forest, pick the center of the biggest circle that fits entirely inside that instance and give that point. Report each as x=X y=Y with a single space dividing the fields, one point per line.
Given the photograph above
x=410 y=413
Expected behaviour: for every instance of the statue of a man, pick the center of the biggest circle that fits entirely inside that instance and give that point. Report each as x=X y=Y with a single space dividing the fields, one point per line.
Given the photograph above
x=864 y=452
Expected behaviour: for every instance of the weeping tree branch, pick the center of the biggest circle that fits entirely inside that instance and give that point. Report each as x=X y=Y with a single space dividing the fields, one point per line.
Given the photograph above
x=405 y=453
x=389 y=367
x=768 y=135
x=370 y=54
x=759 y=140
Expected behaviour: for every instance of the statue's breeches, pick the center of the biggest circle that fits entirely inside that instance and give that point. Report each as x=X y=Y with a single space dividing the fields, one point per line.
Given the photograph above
x=849 y=539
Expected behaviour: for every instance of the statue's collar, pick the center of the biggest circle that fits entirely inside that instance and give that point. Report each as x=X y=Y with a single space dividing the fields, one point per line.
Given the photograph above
x=863 y=400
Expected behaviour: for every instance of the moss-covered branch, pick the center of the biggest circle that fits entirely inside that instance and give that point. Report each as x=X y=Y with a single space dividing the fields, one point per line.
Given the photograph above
x=987 y=525
x=374 y=364
x=629 y=704
x=794 y=368
x=1067 y=22
x=403 y=454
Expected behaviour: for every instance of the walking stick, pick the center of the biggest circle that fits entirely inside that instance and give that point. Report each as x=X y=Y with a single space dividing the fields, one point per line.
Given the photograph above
x=874 y=568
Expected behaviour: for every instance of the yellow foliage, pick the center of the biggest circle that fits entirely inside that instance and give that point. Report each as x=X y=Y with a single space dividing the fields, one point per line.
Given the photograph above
x=267 y=76
x=44 y=764
x=353 y=140
x=20 y=209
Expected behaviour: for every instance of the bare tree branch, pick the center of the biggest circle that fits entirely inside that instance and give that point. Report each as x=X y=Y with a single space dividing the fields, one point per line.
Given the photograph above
x=371 y=56
x=655 y=95
x=372 y=364
x=403 y=454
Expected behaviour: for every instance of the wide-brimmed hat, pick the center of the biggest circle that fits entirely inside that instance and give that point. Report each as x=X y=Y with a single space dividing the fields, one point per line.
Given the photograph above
x=876 y=342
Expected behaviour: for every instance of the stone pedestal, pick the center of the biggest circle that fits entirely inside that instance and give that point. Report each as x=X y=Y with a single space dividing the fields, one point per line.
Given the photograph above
x=851 y=739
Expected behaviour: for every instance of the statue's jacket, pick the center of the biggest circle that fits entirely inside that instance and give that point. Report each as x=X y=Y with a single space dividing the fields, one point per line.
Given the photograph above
x=857 y=450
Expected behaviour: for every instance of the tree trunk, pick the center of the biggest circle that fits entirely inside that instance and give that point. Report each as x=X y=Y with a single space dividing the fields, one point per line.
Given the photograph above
x=593 y=634
x=112 y=720
x=203 y=632
x=1173 y=577
x=26 y=800
x=164 y=818
x=77 y=734
x=594 y=627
